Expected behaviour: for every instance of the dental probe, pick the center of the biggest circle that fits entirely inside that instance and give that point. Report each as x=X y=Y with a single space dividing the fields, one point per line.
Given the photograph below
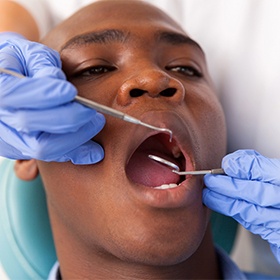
x=118 y=114
x=176 y=167
x=102 y=108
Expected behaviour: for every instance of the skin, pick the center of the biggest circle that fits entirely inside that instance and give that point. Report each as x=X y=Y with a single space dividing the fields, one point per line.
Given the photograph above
x=105 y=224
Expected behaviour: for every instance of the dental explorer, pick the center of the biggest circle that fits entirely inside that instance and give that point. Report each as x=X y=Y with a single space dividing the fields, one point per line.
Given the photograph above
x=176 y=168
x=102 y=108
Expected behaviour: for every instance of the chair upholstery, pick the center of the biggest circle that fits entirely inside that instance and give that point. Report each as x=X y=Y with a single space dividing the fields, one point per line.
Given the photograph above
x=26 y=245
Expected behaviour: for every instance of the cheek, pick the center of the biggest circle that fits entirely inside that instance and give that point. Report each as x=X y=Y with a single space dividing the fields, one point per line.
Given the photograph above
x=73 y=196
x=85 y=205
x=215 y=135
x=210 y=127
x=100 y=91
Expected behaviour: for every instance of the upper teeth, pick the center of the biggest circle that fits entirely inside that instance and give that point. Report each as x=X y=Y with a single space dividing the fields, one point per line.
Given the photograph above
x=166 y=186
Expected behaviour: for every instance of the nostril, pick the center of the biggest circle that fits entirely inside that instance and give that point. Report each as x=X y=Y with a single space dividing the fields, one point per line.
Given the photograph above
x=136 y=92
x=168 y=92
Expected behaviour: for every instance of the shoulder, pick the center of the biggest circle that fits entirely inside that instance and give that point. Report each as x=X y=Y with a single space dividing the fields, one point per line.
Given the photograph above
x=257 y=276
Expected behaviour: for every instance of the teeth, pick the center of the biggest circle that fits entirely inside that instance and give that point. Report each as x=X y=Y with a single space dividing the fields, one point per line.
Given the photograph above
x=166 y=186
x=176 y=152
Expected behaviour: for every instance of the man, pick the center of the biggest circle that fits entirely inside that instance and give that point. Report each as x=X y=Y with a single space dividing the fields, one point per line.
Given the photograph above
x=114 y=219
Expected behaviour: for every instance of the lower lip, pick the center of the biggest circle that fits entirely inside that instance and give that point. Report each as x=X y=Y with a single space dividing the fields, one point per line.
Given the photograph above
x=187 y=193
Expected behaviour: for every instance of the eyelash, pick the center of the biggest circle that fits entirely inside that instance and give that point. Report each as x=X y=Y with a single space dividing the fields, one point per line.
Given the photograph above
x=95 y=71
x=100 y=70
x=186 y=70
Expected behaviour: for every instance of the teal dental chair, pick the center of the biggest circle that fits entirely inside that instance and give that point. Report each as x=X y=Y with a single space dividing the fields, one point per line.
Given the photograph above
x=26 y=244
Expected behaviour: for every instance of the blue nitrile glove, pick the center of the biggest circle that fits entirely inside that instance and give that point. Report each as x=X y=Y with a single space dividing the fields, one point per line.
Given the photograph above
x=37 y=116
x=250 y=194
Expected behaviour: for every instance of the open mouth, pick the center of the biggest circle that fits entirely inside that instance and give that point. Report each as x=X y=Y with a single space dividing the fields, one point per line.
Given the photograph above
x=145 y=171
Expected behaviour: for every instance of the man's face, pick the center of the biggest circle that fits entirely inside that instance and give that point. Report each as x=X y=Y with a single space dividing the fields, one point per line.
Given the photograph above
x=135 y=59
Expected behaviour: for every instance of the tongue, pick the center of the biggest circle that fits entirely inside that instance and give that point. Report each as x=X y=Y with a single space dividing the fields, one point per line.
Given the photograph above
x=143 y=170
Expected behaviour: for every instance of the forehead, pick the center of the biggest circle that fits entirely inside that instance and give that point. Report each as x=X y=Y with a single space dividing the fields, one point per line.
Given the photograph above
x=132 y=16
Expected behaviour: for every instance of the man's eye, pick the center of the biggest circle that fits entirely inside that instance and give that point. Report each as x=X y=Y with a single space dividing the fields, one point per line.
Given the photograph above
x=95 y=71
x=186 y=70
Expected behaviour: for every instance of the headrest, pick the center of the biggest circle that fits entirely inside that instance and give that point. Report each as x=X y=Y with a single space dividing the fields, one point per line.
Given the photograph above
x=26 y=244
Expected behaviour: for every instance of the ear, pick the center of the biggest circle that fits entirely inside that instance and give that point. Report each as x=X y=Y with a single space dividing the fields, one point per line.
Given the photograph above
x=26 y=170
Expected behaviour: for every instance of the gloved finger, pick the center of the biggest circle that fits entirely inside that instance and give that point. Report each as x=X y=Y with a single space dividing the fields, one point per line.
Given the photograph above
x=88 y=153
x=6 y=35
x=47 y=146
x=250 y=165
x=50 y=72
x=241 y=210
x=63 y=119
x=31 y=56
x=11 y=62
x=10 y=152
x=50 y=147
x=34 y=93
x=258 y=221
x=39 y=56
x=14 y=65
x=255 y=192
x=269 y=234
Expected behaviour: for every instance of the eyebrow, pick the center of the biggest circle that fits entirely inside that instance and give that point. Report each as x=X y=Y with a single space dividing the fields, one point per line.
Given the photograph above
x=176 y=39
x=115 y=35
x=102 y=37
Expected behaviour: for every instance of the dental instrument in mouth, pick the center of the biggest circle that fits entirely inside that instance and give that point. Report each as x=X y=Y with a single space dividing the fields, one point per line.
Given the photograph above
x=176 y=169
x=118 y=114
x=103 y=109
x=215 y=171
x=165 y=162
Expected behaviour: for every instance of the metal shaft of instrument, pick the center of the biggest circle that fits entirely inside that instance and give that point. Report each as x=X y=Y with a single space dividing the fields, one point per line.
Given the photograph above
x=164 y=162
x=175 y=168
x=102 y=108
x=118 y=114
x=216 y=171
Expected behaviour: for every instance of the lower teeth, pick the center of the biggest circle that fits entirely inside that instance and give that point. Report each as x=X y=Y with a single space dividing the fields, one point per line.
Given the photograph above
x=166 y=186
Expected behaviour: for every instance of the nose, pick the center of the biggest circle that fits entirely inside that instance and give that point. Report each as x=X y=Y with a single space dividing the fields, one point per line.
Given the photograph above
x=151 y=83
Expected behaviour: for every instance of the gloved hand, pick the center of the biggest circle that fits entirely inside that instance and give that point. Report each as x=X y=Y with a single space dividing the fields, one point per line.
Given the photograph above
x=250 y=194
x=37 y=116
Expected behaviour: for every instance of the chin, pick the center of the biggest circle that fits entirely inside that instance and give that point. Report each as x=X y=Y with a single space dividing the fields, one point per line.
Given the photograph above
x=158 y=246
x=160 y=255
